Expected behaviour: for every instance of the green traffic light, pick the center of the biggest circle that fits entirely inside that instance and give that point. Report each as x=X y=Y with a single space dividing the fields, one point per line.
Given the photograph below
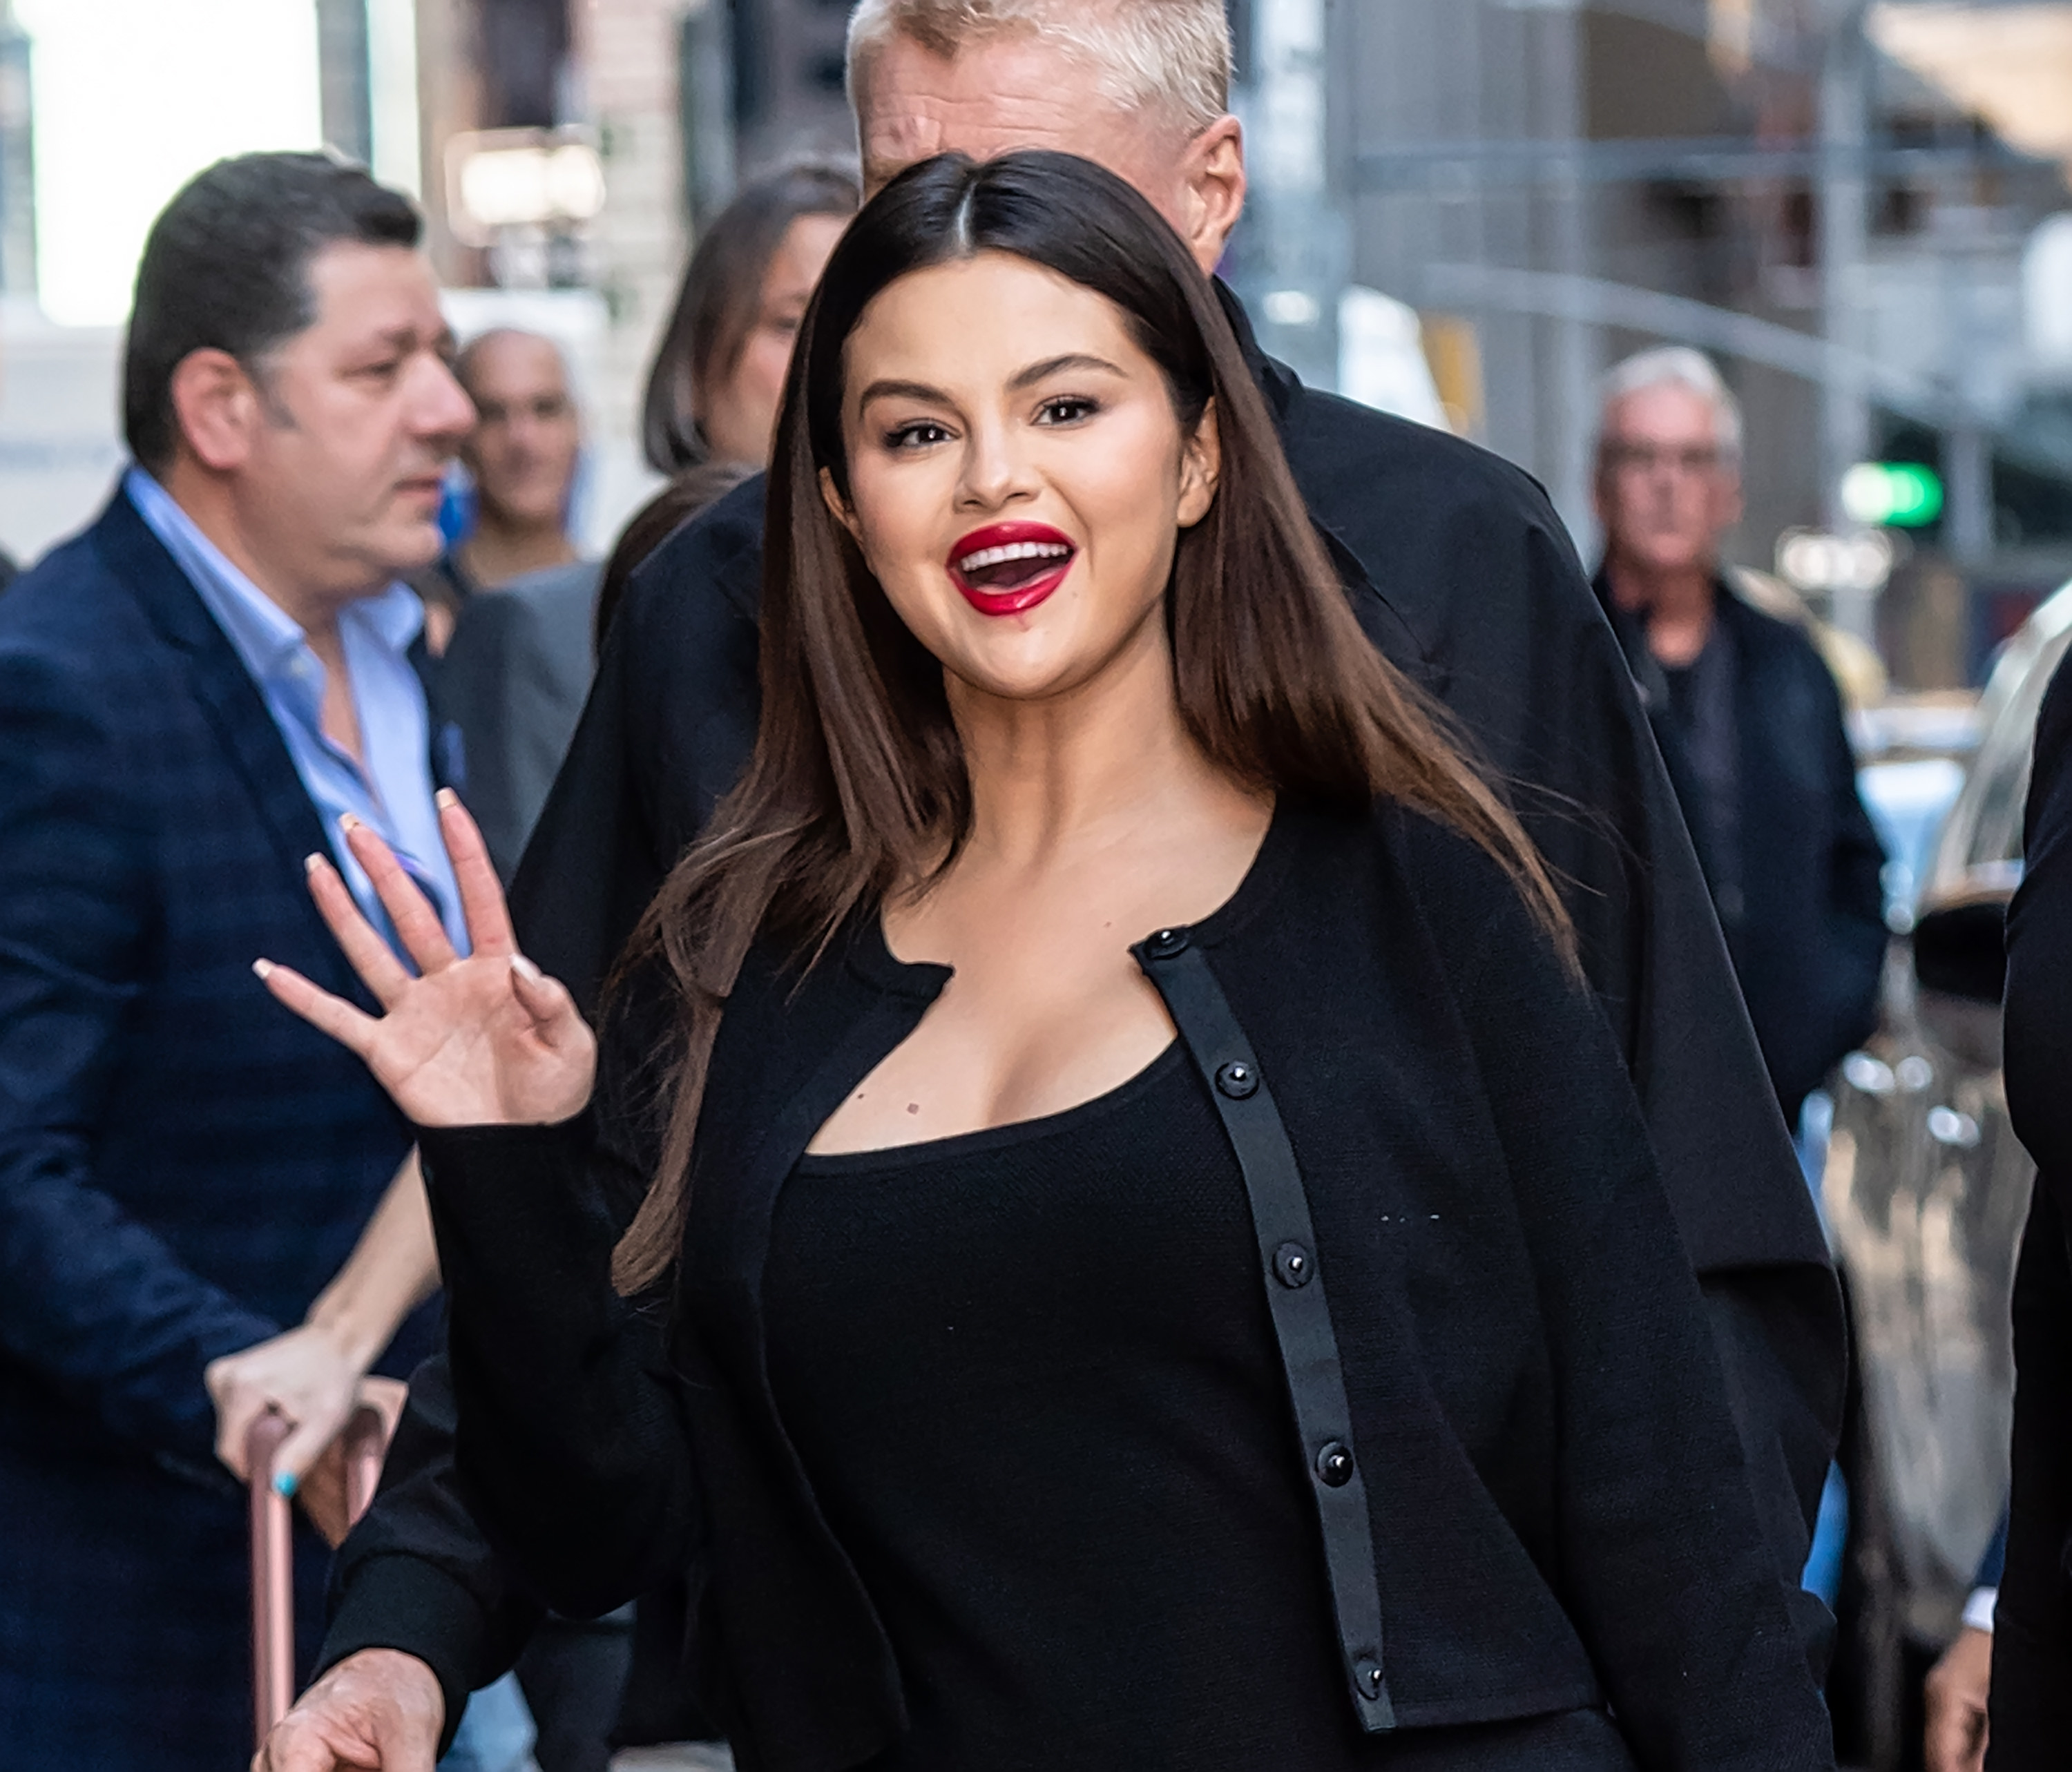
x=1894 y=495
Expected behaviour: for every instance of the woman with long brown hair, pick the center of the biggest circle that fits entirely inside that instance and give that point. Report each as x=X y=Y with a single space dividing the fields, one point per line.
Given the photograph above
x=1141 y=1253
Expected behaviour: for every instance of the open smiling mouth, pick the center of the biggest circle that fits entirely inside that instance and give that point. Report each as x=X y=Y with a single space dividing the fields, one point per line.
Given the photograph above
x=1006 y=568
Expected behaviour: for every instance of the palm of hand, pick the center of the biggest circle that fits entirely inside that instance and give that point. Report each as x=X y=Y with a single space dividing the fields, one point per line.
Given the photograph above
x=460 y=1049
x=481 y=1041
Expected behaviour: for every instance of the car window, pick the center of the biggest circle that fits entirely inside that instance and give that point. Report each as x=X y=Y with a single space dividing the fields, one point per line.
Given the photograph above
x=1980 y=845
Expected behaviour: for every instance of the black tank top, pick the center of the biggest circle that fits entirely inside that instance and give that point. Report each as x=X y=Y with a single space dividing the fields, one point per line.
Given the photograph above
x=1032 y=1377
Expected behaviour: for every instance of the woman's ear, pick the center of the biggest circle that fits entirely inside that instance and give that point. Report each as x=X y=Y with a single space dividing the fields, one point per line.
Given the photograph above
x=1200 y=464
x=838 y=506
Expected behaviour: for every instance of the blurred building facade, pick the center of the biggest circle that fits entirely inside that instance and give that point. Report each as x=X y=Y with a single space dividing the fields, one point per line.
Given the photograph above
x=1817 y=191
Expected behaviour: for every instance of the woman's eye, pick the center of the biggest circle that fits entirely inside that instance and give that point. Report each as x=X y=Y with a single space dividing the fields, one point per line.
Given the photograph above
x=1065 y=410
x=921 y=434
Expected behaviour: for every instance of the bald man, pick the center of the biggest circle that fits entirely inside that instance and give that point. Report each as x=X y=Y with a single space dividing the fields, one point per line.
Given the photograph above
x=1459 y=571
x=521 y=456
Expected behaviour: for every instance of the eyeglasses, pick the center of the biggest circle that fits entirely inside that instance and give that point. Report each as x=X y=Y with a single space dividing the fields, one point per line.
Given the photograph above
x=1645 y=458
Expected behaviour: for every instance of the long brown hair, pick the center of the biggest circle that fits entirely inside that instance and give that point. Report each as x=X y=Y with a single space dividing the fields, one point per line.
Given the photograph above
x=715 y=307
x=858 y=786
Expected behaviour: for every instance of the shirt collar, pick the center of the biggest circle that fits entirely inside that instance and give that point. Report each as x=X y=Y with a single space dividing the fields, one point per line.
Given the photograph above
x=265 y=636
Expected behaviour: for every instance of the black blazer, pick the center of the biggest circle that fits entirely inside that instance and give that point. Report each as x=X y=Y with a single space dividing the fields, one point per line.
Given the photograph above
x=1805 y=925
x=1539 y=1501
x=2032 y=1685
x=1460 y=571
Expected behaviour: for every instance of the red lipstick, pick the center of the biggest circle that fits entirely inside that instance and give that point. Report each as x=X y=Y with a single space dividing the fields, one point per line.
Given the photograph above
x=1007 y=568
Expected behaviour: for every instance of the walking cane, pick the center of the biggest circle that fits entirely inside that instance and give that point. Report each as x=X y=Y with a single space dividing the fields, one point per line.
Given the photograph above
x=366 y=1443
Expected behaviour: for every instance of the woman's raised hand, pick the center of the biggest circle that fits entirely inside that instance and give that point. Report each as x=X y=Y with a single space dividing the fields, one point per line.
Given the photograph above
x=484 y=1040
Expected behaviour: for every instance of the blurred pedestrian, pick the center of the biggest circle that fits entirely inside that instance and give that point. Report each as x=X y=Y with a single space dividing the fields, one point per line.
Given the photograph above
x=718 y=374
x=713 y=391
x=196 y=695
x=515 y=598
x=1748 y=718
x=521 y=456
x=1456 y=567
x=997 y=1321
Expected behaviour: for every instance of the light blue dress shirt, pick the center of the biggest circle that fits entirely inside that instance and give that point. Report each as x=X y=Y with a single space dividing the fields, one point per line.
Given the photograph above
x=392 y=794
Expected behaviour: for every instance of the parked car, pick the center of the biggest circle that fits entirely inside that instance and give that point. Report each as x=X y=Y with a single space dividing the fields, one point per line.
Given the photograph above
x=1924 y=1191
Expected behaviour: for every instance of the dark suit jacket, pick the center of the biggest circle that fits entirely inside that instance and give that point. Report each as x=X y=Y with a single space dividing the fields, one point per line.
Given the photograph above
x=513 y=680
x=2032 y=1685
x=1547 y=1507
x=1805 y=923
x=182 y=1164
x=1460 y=573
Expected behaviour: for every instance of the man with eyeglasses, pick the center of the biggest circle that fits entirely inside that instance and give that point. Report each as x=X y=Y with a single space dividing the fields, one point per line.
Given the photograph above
x=1748 y=718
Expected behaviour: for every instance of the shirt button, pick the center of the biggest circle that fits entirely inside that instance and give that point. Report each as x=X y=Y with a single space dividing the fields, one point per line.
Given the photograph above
x=1335 y=1464
x=1166 y=943
x=1366 y=1676
x=1291 y=1264
x=1237 y=1079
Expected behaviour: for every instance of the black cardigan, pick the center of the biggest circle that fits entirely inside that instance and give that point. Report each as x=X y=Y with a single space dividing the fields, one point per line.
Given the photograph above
x=1513 y=1384
x=1459 y=571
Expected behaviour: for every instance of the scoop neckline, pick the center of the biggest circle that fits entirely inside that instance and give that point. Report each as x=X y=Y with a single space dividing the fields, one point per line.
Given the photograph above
x=870 y=955
x=991 y=1138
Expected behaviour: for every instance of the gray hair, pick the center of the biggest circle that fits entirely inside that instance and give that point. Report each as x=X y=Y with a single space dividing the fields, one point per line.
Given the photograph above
x=1677 y=366
x=1174 y=54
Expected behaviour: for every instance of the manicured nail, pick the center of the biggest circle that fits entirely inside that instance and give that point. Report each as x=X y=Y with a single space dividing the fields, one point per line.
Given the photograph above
x=446 y=796
x=263 y=967
x=525 y=969
x=312 y=863
x=284 y=1483
x=347 y=822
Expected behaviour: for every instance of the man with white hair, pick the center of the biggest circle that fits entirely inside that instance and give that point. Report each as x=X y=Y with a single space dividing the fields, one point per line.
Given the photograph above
x=1749 y=721
x=1458 y=571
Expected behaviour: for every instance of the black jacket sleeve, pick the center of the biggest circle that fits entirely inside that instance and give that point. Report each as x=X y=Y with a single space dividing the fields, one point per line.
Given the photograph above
x=1855 y=911
x=2031 y=1685
x=417 y=1574
x=2031 y=1702
x=572 y=1448
x=1663 y=1566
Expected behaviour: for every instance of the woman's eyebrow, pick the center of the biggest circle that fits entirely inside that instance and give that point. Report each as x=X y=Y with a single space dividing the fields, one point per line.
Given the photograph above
x=903 y=390
x=1051 y=366
x=892 y=389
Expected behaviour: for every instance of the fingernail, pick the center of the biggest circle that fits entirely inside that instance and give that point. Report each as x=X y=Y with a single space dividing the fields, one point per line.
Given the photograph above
x=263 y=967
x=525 y=969
x=284 y=1483
x=347 y=822
x=446 y=796
x=311 y=863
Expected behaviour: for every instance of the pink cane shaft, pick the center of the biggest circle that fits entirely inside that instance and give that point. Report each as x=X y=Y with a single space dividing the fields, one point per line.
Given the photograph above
x=273 y=1579
x=364 y=1443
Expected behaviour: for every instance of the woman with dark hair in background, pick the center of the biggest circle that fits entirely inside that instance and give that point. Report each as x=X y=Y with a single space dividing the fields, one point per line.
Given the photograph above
x=971 y=1329
x=718 y=373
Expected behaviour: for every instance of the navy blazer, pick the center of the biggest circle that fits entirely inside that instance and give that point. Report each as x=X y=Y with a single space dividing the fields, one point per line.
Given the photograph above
x=183 y=1166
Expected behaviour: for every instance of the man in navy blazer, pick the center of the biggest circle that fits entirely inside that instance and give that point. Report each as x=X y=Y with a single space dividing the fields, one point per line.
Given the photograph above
x=193 y=693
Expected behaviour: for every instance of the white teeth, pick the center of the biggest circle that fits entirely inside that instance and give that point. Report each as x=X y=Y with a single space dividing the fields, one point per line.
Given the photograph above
x=1015 y=550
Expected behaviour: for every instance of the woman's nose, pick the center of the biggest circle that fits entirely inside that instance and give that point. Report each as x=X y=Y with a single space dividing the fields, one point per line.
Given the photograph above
x=996 y=472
